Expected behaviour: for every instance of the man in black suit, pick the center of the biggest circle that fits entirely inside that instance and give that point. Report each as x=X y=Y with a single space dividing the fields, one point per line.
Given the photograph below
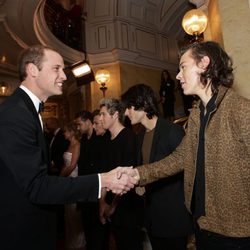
x=86 y=166
x=57 y=146
x=167 y=220
x=27 y=217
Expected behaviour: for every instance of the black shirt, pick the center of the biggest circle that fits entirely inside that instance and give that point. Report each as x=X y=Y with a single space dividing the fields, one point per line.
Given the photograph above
x=198 y=198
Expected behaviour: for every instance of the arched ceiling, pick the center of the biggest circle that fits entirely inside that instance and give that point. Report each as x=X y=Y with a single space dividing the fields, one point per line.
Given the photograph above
x=18 y=27
x=171 y=14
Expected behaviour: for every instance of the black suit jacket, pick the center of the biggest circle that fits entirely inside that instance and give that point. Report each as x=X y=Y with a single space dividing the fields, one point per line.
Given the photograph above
x=27 y=216
x=58 y=146
x=166 y=214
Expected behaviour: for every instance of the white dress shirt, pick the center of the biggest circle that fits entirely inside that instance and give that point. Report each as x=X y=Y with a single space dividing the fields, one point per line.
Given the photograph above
x=36 y=103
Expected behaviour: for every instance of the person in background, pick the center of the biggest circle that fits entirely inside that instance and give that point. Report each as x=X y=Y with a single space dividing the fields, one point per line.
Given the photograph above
x=58 y=145
x=71 y=155
x=84 y=122
x=47 y=134
x=102 y=138
x=99 y=232
x=74 y=235
x=88 y=163
x=123 y=213
x=28 y=194
x=214 y=154
x=167 y=220
x=167 y=96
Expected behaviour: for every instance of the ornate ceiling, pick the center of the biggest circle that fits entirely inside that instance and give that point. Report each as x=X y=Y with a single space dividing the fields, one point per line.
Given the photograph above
x=22 y=24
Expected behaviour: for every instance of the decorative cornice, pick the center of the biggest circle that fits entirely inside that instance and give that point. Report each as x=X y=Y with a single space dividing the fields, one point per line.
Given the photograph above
x=200 y=4
x=128 y=57
x=12 y=34
x=45 y=36
x=2 y=2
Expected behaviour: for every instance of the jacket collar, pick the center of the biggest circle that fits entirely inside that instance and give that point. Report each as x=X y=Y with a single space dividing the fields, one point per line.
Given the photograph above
x=222 y=91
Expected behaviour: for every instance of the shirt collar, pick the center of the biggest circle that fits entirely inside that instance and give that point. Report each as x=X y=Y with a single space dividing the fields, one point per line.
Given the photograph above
x=56 y=131
x=33 y=97
x=210 y=105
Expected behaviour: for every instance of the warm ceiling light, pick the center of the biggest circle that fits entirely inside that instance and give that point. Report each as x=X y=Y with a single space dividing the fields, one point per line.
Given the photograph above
x=102 y=76
x=3 y=88
x=80 y=69
x=194 y=22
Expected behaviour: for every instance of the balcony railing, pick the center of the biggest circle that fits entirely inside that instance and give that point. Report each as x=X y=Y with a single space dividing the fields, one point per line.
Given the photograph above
x=67 y=25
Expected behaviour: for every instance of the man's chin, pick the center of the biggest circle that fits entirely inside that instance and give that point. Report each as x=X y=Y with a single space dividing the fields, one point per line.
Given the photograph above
x=58 y=92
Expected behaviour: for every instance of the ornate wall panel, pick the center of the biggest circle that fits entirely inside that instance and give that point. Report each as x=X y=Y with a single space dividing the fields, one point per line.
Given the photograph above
x=150 y=17
x=124 y=36
x=102 y=37
x=136 y=12
x=141 y=36
x=102 y=8
x=165 y=48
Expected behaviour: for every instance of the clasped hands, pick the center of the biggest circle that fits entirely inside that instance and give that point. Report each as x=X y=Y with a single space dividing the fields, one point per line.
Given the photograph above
x=120 y=180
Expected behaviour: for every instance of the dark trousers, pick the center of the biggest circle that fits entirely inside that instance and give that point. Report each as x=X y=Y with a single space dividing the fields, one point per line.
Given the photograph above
x=206 y=240
x=96 y=234
x=60 y=213
x=178 y=243
x=128 y=238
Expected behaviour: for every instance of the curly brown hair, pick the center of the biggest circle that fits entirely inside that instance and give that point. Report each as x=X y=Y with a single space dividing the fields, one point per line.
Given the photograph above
x=220 y=68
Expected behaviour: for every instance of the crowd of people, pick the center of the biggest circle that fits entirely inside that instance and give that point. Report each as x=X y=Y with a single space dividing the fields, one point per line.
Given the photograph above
x=99 y=184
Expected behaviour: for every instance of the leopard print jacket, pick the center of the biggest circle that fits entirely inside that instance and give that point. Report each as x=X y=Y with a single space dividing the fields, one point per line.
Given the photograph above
x=227 y=165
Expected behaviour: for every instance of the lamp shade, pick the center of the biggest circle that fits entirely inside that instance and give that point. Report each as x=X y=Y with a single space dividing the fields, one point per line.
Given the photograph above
x=194 y=22
x=102 y=76
x=80 y=69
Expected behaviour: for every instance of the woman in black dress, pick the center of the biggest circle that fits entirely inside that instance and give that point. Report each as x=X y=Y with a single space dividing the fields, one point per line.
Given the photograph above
x=167 y=95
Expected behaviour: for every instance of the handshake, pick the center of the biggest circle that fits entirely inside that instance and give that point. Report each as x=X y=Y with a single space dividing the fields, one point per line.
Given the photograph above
x=120 y=180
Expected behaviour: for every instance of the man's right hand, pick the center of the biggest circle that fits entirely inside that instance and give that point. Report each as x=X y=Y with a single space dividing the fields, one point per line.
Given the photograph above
x=132 y=172
x=119 y=180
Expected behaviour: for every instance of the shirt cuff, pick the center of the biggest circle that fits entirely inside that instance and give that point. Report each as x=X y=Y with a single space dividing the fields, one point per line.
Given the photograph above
x=100 y=186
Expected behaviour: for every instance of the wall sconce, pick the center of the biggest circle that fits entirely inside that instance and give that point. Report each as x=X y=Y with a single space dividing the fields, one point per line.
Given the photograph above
x=194 y=22
x=3 y=88
x=102 y=77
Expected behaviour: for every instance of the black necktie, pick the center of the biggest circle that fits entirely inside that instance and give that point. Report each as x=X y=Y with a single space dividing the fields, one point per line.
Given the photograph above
x=41 y=107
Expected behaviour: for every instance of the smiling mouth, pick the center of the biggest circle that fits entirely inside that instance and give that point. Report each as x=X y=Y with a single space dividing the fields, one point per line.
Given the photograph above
x=59 y=84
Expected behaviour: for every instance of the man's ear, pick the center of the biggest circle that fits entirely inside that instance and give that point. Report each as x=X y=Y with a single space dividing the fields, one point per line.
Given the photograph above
x=204 y=62
x=115 y=115
x=32 y=69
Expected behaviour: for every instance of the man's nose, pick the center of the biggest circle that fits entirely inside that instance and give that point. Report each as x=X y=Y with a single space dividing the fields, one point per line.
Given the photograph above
x=63 y=76
x=178 y=76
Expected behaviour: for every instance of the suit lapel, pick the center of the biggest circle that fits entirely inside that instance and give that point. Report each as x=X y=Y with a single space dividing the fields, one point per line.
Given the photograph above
x=30 y=105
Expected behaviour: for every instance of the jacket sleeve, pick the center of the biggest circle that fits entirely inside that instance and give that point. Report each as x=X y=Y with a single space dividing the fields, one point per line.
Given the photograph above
x=22 y=153
x=175 y=162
